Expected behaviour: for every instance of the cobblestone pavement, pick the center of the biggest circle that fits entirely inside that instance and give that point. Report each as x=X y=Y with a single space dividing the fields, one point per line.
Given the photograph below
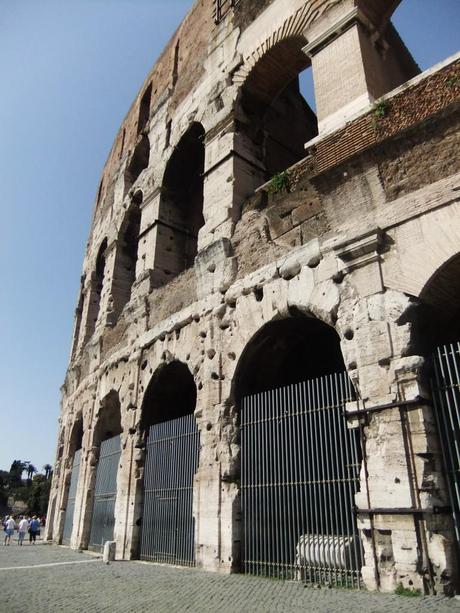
x=45 y=578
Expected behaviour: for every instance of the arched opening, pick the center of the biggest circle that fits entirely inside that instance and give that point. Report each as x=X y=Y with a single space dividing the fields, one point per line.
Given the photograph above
x=172 y=446
x=139 y=161
x=144 y=109
x=126 y=257
x=97 y=286
x=300 y=462
x=181 y=205
x=70 y=491
x=277 y=120
x=106 y=441
x=436 y=335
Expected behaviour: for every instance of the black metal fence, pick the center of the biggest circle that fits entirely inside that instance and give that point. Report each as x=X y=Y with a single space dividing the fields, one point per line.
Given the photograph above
x=446 y=396
x=168 y=526
x=300 y=473
x=70 y=509
x=105 y=494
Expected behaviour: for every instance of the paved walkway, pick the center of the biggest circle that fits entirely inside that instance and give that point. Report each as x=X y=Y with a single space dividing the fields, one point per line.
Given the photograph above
x=48 y=579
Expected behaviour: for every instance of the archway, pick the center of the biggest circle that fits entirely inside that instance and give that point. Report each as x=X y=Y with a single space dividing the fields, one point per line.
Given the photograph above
x=436 y=335
x=126 y=258
x=299 y=461
x=276 y=119
x=106 y=442
x=172 y=446
x=70 y=488
x=181 y=205
x=97 y=285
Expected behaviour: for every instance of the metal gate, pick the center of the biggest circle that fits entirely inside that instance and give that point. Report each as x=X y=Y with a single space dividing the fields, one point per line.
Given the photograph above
x=70 y=509
x=105 y=494
x=168 y=525
x=300 y=472
x=446 y=396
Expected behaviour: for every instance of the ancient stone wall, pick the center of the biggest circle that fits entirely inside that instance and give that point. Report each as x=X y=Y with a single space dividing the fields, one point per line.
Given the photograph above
x=350 y=234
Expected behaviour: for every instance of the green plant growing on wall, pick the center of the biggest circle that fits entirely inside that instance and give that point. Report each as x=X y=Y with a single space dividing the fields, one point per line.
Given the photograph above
x=279 y=182
x=381 y=108
x=406 y=591
x=453 y=81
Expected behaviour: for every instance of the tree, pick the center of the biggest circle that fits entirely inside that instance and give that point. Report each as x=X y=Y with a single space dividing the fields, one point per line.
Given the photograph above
x=48 y=469
x=31 y=470
x=16 y=470
x=38 y=498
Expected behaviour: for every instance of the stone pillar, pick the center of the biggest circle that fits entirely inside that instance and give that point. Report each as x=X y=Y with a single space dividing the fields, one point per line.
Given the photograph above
x=401 y=477
x=84 y=499
x=354 y=62
x=228 y=155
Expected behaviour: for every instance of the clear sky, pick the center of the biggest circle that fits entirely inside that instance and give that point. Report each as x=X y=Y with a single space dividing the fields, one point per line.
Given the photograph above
x=69 y=71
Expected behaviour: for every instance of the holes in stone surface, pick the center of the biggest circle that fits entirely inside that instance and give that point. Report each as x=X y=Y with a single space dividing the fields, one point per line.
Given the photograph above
x=259 y=294
x=144 y=365
x=349 y=334
x=208 y=427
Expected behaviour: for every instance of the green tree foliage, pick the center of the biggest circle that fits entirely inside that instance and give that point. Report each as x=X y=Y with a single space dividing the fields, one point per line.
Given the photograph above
x=39 y=493
x=34 y=490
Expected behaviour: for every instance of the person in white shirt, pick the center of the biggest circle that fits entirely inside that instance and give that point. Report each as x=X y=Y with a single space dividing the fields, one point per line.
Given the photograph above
x=22 y=529
x=10 y=525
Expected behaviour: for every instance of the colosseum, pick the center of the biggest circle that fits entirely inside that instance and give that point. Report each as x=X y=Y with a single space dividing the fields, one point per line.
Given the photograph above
x=264 y=375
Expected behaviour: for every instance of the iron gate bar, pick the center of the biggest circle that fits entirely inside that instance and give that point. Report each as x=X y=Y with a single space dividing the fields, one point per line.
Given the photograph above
x=105 y=493
x=71 y=498
x=171 y=463
x=298 y=459
x=446 y=395
x=409 y=405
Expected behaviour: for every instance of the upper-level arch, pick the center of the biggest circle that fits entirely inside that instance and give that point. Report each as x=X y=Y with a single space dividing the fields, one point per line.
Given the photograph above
x=181 y=205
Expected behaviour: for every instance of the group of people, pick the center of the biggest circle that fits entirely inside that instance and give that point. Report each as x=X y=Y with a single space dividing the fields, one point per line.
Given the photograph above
x=24 y=525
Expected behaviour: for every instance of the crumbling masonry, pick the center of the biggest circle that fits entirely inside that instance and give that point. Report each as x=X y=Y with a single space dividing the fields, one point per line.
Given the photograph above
x=240 y=243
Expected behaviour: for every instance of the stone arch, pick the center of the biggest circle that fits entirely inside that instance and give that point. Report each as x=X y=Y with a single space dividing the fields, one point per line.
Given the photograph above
x=124 y=273
x=181 y=205
x=108 y=422
x=139 y=161
x=170 y=394
x=436 y=318
x=275 y=118
x=73 y=444
x=97 y=286
x=267 y=387
x=284 y=351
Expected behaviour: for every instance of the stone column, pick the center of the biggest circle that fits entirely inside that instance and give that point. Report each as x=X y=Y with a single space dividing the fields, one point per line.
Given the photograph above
x=401 y=477
x=354 y=62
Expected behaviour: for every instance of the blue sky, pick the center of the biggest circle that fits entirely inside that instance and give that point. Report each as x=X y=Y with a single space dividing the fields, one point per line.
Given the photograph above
x=70 y=71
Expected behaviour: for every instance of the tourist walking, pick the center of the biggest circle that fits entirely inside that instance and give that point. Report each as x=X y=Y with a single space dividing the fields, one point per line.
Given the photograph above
x=34 y=528
x=22 y=529
x=10 y=526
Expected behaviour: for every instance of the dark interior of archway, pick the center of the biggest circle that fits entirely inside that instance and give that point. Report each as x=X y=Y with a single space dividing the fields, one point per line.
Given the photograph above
x=125 y=264
x=170 y=394
x=109 y=423
x=279 y=120
x=138 y=162
x=76 y=437
x=181 y=207
x=288 y=351
x=436 y=320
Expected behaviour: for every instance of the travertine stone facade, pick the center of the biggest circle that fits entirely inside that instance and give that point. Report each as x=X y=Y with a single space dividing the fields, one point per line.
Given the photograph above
x=191 y=253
